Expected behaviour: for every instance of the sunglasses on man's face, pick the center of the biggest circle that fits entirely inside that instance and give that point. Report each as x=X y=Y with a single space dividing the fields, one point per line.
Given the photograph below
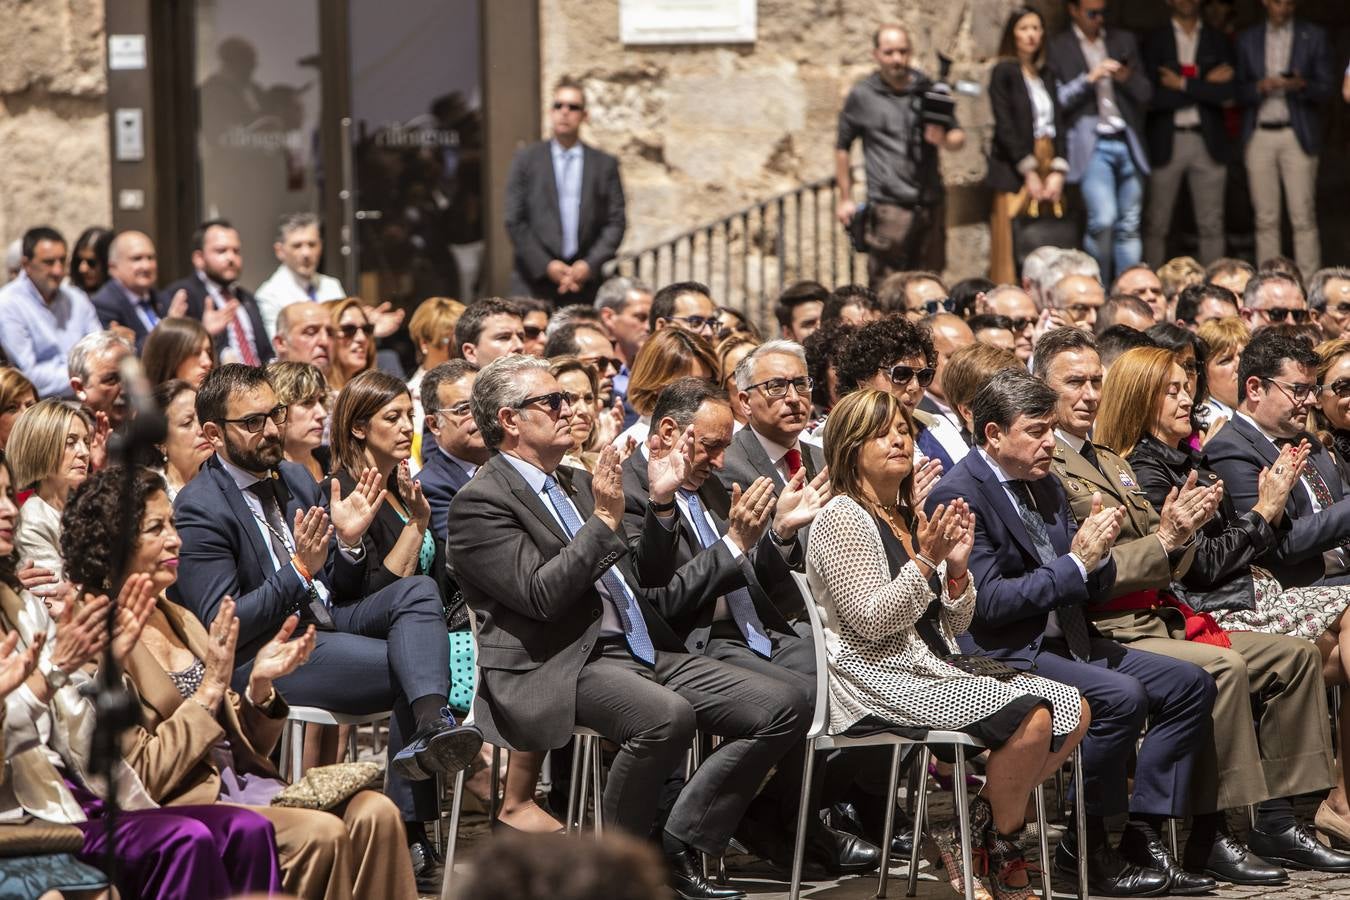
x=349 y=331
x=532 y=332
x=1278 y=315
x=903 y=375
x=559 y=105
x=553 y=402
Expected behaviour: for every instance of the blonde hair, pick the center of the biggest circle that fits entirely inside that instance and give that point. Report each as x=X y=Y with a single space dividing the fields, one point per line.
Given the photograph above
x=434 y=320
x=336 y=310
x=856 y=419
x=1131 y=397
x=1223 y=336
x=1180 y=272
x=667 y=355
x=38 y=440
x=13 y=385
x=297 y=382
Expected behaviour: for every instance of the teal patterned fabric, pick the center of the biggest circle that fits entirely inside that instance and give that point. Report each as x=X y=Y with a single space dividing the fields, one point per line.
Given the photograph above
x=29 y=877
x=462 y=660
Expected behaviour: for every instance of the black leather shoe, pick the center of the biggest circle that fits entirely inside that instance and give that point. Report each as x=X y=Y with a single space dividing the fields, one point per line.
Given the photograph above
x=1144 y=848
x=427 y=870
x=844 y=817
x=840 y=853
x=1297 y=848
x=1111 y=876
x=1230 y=861
x=686 y=879
x=442 y=748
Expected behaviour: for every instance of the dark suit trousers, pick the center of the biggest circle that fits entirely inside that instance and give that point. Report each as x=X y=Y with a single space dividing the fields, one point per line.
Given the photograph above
x=1126 y=689
x=652 y=714
x=390 y=649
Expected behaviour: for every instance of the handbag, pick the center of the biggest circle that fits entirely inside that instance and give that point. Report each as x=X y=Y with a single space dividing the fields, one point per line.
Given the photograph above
x=325 y=787
x=984 y=666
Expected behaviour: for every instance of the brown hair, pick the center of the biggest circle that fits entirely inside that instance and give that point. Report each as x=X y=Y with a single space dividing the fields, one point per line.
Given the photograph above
x=970 y=367
x=360 y=399
x=1227 y=335
x=336 y=310
x=561 y=365
x=1131 y=396
x=856 y=419
x=1007 y=45
x=13 y=385
x=667 y=355
x=172 y=342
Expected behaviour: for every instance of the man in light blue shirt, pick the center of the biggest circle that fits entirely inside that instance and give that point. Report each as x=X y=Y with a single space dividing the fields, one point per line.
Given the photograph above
x=40 y=320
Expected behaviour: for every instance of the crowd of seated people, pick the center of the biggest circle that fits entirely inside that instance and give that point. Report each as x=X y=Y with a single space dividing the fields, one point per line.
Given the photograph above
x=1129 y=507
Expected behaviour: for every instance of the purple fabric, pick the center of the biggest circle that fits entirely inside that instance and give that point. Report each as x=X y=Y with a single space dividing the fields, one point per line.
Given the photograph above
x=244 y=788
x=184 y=852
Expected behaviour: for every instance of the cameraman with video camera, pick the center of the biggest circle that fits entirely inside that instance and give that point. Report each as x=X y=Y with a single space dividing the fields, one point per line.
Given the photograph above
x=903 y=118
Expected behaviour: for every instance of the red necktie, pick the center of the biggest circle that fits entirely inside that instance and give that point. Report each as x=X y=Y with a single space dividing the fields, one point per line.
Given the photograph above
x=247 y=354
x=794 y=461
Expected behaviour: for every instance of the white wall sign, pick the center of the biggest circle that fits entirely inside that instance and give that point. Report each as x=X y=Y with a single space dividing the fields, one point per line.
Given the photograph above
x=126 y=51
x=687 y=21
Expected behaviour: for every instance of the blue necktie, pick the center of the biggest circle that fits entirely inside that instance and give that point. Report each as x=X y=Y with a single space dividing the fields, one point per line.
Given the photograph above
x=148 y=307
x=634 y=626
x=738 y=601
x=312 y=291
x=569 y=201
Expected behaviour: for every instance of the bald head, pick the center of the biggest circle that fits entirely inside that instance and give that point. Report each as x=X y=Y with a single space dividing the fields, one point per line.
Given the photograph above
x=950 y=333
x=132 y=261
x=302 y=334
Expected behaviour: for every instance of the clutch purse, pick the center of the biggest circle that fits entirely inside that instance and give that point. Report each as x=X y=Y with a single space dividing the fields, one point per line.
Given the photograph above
x=325 y=787
x=973 y=664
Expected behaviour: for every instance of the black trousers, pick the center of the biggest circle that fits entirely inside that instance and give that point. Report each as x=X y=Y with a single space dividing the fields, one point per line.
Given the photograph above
x=652 y=713
x=390 y=649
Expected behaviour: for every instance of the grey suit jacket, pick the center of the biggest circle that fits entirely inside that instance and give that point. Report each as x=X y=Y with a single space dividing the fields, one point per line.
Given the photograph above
x=746 y=460
x=533 y=592
x=532 y=217
x=1078 y=97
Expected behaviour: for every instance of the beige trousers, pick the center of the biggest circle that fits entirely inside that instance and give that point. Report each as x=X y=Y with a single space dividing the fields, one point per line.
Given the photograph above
x=1275 y=160
x=1205 y=177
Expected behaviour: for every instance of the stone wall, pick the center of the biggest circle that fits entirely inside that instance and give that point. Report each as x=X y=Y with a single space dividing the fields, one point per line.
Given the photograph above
x=53 y=122
x=704 y=130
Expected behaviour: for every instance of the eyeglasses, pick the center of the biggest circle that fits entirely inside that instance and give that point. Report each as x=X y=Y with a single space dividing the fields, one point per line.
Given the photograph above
x=554 y=401
x=603 y=363
x=572 y=107
x=459 y=410
x=1278 y=315
x=697 y=323
x=902 y=375
x=349 y=330
x=777 y=388
x=1296 y=392
x=1021 y=324
x=1341 y=388
x=258 y=421
x=945 y=304
x=532 y=332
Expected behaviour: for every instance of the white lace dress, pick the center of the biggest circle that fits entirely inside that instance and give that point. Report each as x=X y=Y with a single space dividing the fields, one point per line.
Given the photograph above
x=879 y=665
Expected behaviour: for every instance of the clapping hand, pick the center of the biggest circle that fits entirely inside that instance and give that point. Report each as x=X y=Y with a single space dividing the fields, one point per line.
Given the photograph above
x=1183 y=512
x=800 y=502
x=668 y=472
x=385 y=318
x=222 y=637
x=958 y=558
x=178 y=306
x=937 y=536
x=312 y=531
x=419 y=508
x=1097 y=533
x=926 y=476
x=278 y=658
x=16 y=667
x=98 y=441
x=81 y=634
x=1275 y=483
x=607 y=487
x=135 y=602
x=750 y=513
x=352 y=515
x=216 y=320
x=609 y=424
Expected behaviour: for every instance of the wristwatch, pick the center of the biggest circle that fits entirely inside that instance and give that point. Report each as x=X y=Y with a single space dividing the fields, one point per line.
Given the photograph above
x=661 y=507
x=55 y=677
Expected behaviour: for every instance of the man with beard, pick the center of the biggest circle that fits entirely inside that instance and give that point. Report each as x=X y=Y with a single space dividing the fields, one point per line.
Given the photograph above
x=259 y=530
x=213 y=288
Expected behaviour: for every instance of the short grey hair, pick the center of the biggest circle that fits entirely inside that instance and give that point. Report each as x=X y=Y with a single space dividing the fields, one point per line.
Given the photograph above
x=1251 y=294
x=575 y=313
x=291 y=221
x=1007 y=394
x=1070 y=262
x=1037 y=262
x=613 y=294
x=744 y=371
x=90 y=346
x=497 y=387
x=1056 y=294
x=1007 y=289
x=1317 y=285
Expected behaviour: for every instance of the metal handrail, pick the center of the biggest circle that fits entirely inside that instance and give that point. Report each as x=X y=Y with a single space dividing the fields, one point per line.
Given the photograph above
x=748 y=256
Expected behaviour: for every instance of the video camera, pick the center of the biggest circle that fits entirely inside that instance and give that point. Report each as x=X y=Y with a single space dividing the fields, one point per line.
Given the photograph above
x=937 y=106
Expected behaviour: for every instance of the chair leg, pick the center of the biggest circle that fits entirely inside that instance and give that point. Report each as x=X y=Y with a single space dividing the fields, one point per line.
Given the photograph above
x=574 y=785
x=912 y=788
x=375 y=736
x=440 y=812
x=297 y=749
x=1172 y=837
x=285 y=754
x=495 y=788
x=803 y=810
x=893 y=784
x=584 y=795
x=446 y=892
x=598 y=788
x=963 y=820
x=351 y=743
x=1080 y=820
x=920 y=812
x=1046 y=892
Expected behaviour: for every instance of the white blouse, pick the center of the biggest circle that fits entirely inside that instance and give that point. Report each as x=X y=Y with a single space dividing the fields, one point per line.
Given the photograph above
x=1042 y=107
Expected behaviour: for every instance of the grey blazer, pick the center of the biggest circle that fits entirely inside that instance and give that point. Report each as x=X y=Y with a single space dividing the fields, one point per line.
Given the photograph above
x=746 y=460
x=1078 y=97
x=533 y=592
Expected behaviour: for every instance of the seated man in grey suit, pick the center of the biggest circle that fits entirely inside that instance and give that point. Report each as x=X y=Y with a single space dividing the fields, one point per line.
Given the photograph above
x=1277 y=383
x=564 y=208
x=569 y=634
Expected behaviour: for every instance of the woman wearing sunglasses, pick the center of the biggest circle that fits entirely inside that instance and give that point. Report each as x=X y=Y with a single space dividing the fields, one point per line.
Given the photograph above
x=1332 y=412
x=354 y=345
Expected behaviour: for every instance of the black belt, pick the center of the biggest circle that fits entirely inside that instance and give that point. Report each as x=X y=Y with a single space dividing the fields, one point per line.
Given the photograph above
x=1272 y=126
x=1111 y=136
x=1185 y=129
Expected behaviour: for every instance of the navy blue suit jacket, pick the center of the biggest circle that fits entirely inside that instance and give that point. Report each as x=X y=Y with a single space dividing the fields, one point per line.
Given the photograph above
x=1212 y=50
x=1014 y=591
x=1238 y=453
x=248 y=306
x=441 y=478
x=112 y=305
x=1310 y=58
x=223 y=553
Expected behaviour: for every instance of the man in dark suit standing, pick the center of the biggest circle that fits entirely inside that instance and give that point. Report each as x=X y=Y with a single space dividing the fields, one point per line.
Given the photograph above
x=1284 y=75
x=455 y=450
x=569 y=635
x=1103 y=91
x=216 y=299
x=564 y=208
x=259 y=530
x=128 y=299
x=1277 y=382
x=1191 y=67
x=1036 y=574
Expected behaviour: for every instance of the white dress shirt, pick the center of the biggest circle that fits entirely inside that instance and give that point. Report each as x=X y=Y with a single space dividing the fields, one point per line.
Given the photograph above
x=241 y=317
x=1279 y=50
x=1109 y=119
x=1042 y=107
x=1188 y=42
x=283 y=287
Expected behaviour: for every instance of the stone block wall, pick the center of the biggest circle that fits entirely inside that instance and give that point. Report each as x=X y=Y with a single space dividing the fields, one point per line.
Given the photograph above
x=53 y=122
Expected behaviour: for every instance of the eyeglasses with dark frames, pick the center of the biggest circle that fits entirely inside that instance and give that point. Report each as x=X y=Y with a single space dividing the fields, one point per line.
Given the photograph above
x=777 y=388
x=1279 y=314
x=258 y=421
x=552 y=401
x=697 y=323
x=902 y=375
x=348 y=331
x=1296 y=392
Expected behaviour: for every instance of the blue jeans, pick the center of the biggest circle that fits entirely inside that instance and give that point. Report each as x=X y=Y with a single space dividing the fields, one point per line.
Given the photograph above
x=1114 y=195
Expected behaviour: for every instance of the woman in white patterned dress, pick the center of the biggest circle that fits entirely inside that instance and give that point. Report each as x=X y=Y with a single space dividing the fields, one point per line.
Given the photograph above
x=893 y=592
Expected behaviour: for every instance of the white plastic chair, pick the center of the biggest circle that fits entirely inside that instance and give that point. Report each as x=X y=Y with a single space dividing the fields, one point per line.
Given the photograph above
x=293 y=738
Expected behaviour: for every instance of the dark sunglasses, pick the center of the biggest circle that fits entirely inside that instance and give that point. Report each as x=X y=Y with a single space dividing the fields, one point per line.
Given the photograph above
x=552 y=401
x=1340 y=387
x=932 y=307
x=1021 y=324
x=349 y=331
x=532 y=332
x=258 y=421
x=902 y=375
x=1278 y=315
x=698 y=323
x=603 y=363
x=573 y=107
